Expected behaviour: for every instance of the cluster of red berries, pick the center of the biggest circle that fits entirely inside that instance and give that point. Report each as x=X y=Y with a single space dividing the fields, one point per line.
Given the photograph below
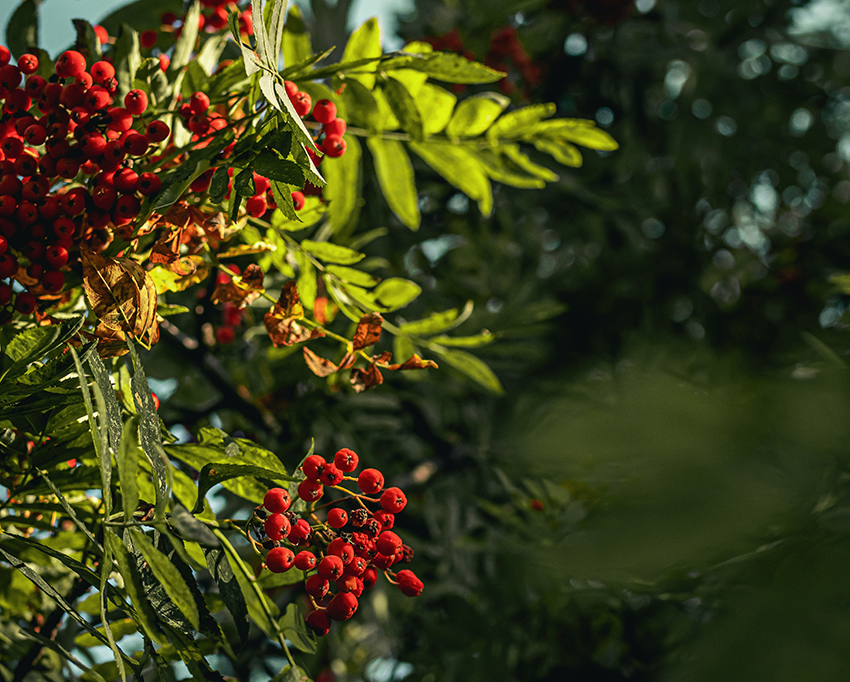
x=67 y=178
x=342 y=551
x=214 y=16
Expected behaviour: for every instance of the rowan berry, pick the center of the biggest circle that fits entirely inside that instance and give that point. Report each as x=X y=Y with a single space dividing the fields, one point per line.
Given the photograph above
x=102 y=71
x=277 y=500
x=350 y=584
x=199 y=102
x=168 y=18
x=70 y=63
x=148 y=38
x=324 y=111
x=342 y=549
x=34 y=85
x=356 y=566
x=56 y=256
x=119 y=119
x=135 y=143
x=370 y=481
x=101 y=33
x=313 y=466
x=305 y=560
x=316 y=586
x=8 y=205
x=393 y=500
x=28 y=63
x=370 y=577
x=337 y=518
x=35 y=134
x=334 y=146
x=103 y=196
x=27 y=213
x=346 y=460
x=331 y=475
x=157 y=131
x=4 y=245
x=148 y=184
x=83 y=80
x=310 y=490
x=298 y=200
x=202 y=182
x=5 y=294
x=300 y=532
x=25 y=303
x=359 y=517
x=136 y=101
x=64 y=228
x=277 y=526
x=385 y=518
x=388 y=543
x=330 y=567
x=335 y=127
x=125 y=180
x=318 y=621
x=8 y=265
x=280 y=559
x=127 y=207
x=26 y=166
x=113 y=152
x=291 y=88
x=17 y=101
x=343 y=606
x=52 y=281
x=5 y=55
x=302 y=103
x=383 y=561
x=409 y=584
x=256 y=206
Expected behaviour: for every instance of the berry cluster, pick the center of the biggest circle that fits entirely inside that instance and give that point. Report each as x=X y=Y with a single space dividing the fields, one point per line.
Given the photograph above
x=68 y=154
x=342 y=551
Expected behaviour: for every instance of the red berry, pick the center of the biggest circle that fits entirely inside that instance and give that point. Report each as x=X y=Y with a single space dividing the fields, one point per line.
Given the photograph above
x=324 y=111
x=300 y=532
x=148 y=38
x=225 y=335
x=136 y=101
x=52 y=281
x=102 y=71
x=316 y=586
x=4 y=245
x=356 y=566
x=119 y=119
x=333 y=146
x=331 y=475
x=5 y=294
x=28 y=63
x=5 y=55
x=56 y=256
x=127 y=207
x=330 y=567
x=157 y=131
x=73 y=202
x=313 y=466
x=337 y=518
x=383 y=561
x=342 y=606
x=148 y=184
x=277 y=500
x=8 y=265
x=302 y=103
x=346 y=460
x=319 y=622
x=277 y=526
x=103 y=196
x=35 y=134
x=408 y=583
x=101 y=33
x=135 y=144
x=370 y=577
x=342 y=549
x=70 y=64
x=199 y=102
x=125 y=180
x=298 y=200
x=388 y=542
x=385 y=518
x=393 y=500
x=168 y=18
x=25 y=303
x=335 y=127
x=280 y=559
x=64 y=228
x=305 y=560
x=256 y=206
x=351 y=584
x=310 y=491
x=83 y=80
x=370 y=481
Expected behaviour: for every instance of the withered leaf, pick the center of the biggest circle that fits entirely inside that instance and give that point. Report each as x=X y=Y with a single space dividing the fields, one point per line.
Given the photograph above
x=364 y=379
x=282 y=320
x=167 y=247
x=241 y=292
x=414 y=362
x=319 y=365
x=347 y=360
x=368 y=331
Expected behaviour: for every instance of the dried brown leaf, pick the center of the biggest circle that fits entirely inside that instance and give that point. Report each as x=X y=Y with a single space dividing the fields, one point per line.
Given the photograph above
x=368 y=331
x=319 y=365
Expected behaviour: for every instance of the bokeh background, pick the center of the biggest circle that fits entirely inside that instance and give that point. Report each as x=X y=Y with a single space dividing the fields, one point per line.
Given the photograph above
x=662 y=492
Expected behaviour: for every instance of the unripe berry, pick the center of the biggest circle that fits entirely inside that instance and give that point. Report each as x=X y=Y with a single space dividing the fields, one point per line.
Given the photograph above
x=310 y=491
x=337 y=518
x=319 y=622
x=305 y=560
x=331 y=475
x=370 y=481
x=346 y=460
x=393 y=500
x=313 y=466
x=277 y=500
x=277 y=526
x=316 y=586
x=330 y=567
x=342 y=606
x=280 y=559
x=324 y=111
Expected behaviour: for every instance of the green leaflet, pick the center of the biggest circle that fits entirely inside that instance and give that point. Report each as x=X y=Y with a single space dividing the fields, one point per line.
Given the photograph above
x=228 y=587
x=453 y=68
x=218 y=472
x=395 y=292
x=504 y=170
x=475 y=114
x=168 y=576
x=403 y=107
x=297 y=46
x=352 y=275
x=460 y=167
x=436 y=105
x=343 y=176
x=471 y=366
x=128 y=466
x=185 y=45
x=482 y=339
x=515 y=123
x=295 y=629
x=360 y=106
x=332 y=253
x=396 y=178
x=436 y=322
x=562 y=152
x=364 y=43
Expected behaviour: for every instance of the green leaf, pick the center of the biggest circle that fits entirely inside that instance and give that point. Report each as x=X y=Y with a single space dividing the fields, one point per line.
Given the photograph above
x=395 y=292
x=332 y=253
x=270 y=165
x=434 y=323
x=436 y=105
x=209 y=55
x=228 y=588
x=404 y=107
x=297 y=47
x=191 y=528
x=453 y=68
x=471 y=366
x=120 y=628
x=169 y=309
x=168 y=576
x=307 y=282
x=301 y=68
x=269 y=31
x=514 y=123
x=185 y=45
x=90 y=673
x=295 y=629
x=87 y=40
x=579 y=131
x=268 y=580
x=228 y=80
x=352 y=276
x=217 y=472
x=512 y=151
x=562 y=152
x=128 y=466
x=128 y=59
x=460 y=167
x=364 y=43
x=69 y=509
x=475 y=114
x=150 y=435
x=343 y=175
x=34 y=343
x=106 y=401
x=482 y=339
x=361 y=107
x=396 y=179
x=292 y=674
x=503 y=170
x=22 y=29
